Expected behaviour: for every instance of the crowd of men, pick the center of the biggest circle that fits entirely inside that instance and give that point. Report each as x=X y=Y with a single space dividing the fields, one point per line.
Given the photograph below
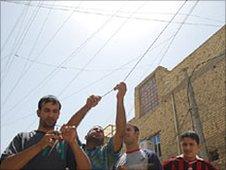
x=47 y=149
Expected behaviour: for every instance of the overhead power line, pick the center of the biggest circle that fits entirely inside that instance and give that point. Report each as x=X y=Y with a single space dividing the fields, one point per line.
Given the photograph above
x=19 y=43
x=68 y=58
x=15 y=42
x=62 y=8
x=96 y=81
x=14 y=27
x=25 y=68
x=112 y=72
x=75 y=68
x=148 y=49
x=98 y=51
x=144 y=54
x=179 y=28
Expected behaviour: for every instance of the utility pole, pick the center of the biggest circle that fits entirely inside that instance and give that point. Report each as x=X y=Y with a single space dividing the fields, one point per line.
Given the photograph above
x=196 y=122
x=176 y=123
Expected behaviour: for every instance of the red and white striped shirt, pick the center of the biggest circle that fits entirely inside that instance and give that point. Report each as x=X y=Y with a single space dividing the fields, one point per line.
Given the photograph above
x=179 y=163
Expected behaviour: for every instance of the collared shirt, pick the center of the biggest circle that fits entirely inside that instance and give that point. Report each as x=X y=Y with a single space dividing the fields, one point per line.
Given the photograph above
x=102 y=157
x=179 y=163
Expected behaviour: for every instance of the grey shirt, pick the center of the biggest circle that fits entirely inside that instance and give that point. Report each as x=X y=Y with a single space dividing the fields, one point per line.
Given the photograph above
x=60 y=158
x=141 y=159
x=133 y=161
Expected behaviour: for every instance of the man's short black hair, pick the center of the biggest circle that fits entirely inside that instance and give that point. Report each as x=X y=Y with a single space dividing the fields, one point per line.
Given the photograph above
x=190 y=134
x=48 y=98
x=136 y=129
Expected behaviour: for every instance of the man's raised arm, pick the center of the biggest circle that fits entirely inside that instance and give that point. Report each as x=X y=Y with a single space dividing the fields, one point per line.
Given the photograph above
x=120 y=117
x=75 y=120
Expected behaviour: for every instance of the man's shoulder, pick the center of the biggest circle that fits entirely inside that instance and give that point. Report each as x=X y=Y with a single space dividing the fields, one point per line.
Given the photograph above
x=26 y=134
x=206 y=162
x=22 y=135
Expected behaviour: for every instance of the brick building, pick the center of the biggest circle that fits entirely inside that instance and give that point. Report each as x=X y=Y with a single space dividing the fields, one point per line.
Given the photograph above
x=162 y=109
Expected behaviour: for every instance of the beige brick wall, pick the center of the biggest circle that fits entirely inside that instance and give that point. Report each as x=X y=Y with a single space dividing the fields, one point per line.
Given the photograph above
x=208 y=82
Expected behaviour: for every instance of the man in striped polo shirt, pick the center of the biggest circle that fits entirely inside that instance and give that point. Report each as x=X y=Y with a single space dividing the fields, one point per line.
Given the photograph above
x=189 y=160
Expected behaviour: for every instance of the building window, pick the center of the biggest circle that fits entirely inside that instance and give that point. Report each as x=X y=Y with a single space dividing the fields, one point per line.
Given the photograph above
x=149 y=96
x=155 y=140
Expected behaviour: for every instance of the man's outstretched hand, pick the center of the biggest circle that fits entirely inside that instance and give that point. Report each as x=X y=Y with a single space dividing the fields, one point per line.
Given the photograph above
x=92 y=101
x=121 y=87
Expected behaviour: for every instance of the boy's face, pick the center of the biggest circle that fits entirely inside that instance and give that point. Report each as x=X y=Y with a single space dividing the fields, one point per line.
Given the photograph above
x=189 y=147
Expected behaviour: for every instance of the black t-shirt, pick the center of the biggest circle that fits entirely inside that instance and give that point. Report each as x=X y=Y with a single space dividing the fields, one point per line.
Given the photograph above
x=60 y=158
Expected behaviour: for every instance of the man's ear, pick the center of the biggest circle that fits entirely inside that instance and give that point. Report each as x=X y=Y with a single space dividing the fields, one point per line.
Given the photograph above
x=38 y=112
x=137 y=134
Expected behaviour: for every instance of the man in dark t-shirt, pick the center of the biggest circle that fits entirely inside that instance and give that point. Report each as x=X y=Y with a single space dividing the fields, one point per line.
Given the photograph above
x=45 y=148
x=59 y=158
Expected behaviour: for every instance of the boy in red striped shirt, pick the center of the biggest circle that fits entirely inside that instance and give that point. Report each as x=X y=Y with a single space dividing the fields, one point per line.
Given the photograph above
x=189 y=160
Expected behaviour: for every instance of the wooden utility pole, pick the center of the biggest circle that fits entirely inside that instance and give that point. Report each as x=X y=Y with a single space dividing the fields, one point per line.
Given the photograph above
x=196 y=122
x=177 y=131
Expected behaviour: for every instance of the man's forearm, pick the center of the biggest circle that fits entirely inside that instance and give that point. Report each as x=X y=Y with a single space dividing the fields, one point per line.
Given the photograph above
x=18 y=161
x=120 y=118
x=120 y=125
x=82 y=160
x=78 y=116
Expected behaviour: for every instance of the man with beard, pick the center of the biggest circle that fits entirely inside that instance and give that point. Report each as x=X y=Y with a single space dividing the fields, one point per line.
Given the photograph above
x=103 y=157
x=32 y=150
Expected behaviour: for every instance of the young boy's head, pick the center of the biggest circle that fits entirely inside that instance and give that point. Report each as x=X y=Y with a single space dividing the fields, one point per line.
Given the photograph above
x=190 y=144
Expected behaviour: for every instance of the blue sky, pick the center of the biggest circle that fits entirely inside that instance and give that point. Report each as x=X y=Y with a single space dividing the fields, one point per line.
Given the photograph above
x=73 y=49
